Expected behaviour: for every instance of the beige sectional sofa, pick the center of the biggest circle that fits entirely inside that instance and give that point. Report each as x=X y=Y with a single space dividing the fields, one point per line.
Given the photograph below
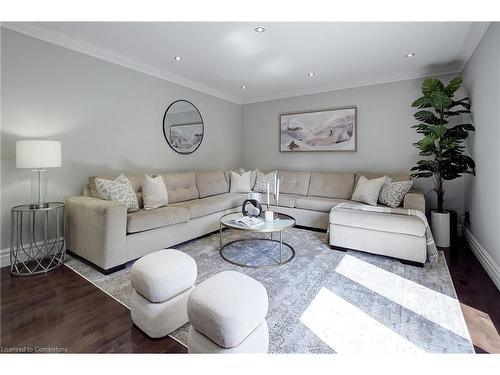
x=103 y=233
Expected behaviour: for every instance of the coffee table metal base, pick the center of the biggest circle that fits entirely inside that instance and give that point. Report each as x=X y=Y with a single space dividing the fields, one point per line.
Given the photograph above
x=274 y=264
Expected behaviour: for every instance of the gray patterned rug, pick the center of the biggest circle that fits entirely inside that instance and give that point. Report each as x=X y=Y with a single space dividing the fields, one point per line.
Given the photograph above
x=326 y=301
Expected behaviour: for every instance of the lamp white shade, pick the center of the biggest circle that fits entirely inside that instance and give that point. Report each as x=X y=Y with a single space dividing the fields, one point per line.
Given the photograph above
x=38 y=154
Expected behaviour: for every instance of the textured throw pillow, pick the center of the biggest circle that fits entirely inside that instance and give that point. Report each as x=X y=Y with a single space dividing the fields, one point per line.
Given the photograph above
x=154 y=192
x=263 y=179
x=119 y=190
x=393 y=192
x=240 y=183
x=367 y=191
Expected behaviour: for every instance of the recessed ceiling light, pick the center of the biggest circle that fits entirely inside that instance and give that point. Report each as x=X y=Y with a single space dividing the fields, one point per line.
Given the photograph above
x=178 y=58
x=259 y=29
x=311 y=74
x=243 y=87
x=411 y=54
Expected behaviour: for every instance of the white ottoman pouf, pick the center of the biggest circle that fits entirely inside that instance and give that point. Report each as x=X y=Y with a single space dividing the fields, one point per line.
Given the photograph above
x=162 y=282
x=227 y=313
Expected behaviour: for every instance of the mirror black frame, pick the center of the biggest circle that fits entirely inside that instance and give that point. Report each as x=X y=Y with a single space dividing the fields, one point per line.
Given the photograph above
x=202 y=124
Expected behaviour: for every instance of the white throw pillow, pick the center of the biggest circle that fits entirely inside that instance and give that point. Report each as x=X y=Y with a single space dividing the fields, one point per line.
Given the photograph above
x=253 y=176
x=119 y=190
x=154 y=192
x=393 y=192
x=240 y=183
x=367 y=191
x=262 y=180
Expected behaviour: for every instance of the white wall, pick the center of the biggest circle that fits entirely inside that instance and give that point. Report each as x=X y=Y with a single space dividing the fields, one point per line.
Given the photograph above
x=385 y=136
x=482 y=200
x=109 y=119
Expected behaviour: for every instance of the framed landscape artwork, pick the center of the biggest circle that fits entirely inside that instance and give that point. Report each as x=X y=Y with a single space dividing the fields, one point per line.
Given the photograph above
x=322 y=130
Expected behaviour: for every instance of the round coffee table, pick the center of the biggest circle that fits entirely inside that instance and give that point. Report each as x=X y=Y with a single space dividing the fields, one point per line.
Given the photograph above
x=280 y=223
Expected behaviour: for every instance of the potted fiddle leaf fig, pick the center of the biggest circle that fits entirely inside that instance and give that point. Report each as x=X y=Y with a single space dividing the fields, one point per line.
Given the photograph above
x=442 y=145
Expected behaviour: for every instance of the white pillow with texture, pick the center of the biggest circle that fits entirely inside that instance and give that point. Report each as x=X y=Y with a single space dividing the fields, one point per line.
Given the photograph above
x=263 y=179
x=154 y=192
x=119 y=190
x=367 y=191
x=240 y=183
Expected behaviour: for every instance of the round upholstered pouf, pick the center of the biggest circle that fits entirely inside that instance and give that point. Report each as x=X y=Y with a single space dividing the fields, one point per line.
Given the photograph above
x=162 y=283
x=227 y=309
x=163 y=274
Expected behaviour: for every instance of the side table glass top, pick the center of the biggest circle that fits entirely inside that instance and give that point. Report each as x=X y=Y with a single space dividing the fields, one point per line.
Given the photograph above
x=29 y=207
x=280 y=222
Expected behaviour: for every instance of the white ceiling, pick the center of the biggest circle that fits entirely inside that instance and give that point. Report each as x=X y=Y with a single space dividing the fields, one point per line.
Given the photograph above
x=219 y=58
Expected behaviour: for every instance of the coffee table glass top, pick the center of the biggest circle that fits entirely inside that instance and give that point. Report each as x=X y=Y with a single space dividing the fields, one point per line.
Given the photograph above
x=280 y=222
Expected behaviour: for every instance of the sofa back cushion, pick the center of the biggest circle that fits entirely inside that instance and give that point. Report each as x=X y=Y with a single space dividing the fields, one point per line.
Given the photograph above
x=211 y=183
x=180 y=186
x=372 y=175
x=331 y=184
x=294 y=182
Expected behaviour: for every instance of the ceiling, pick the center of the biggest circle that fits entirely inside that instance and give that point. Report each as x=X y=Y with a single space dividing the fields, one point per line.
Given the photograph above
x=220 y=57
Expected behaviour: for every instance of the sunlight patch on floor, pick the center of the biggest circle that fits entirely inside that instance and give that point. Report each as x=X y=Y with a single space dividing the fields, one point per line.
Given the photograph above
x=434 y=306
x=482 y=330
x=347 y=329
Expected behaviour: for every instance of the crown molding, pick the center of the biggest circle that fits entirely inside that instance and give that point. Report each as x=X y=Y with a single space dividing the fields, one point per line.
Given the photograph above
x=473 y=37
x=332 y=88
x=471 y=41
x=78 y=45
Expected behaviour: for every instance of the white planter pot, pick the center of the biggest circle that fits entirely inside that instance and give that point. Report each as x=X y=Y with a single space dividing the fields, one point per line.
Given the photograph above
x=440 y=225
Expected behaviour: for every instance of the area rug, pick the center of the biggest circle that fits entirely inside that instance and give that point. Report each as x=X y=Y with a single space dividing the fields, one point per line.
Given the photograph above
x=327 y=301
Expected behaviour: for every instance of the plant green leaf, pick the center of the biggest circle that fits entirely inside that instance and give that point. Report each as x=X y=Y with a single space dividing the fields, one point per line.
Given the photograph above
x=422 y=102
x=453 y=86
x=465 y=102
x=429 y=118
x=431 y=85
x=440 y=100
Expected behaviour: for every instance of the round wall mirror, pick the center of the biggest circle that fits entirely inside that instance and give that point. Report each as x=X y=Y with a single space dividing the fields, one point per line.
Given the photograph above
x=183 y=127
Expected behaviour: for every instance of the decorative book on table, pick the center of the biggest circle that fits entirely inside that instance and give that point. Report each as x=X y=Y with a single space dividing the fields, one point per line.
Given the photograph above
x=247 y=221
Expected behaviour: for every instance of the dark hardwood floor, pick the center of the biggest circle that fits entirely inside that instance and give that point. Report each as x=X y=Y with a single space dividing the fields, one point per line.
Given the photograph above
x=63 y=312
x=478 y=295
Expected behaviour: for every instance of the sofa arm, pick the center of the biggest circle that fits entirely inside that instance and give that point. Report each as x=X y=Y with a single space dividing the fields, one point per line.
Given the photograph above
x=96 y=230
x=414 y=199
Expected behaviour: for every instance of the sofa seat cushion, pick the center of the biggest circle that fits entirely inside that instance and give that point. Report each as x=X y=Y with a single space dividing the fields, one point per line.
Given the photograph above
x=159 y=217
x=164 y=274
x=235 y=199
x=206 y=206
x=286 y=200
x=391 y=223
x=317 y=203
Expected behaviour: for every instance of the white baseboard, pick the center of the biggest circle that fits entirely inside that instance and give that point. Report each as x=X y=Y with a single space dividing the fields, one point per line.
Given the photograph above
x=4 y=257
x=484 y=258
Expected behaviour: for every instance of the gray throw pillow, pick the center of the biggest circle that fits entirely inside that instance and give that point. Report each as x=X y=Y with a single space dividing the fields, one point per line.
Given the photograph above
x=393 y=193
x=119 y=190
